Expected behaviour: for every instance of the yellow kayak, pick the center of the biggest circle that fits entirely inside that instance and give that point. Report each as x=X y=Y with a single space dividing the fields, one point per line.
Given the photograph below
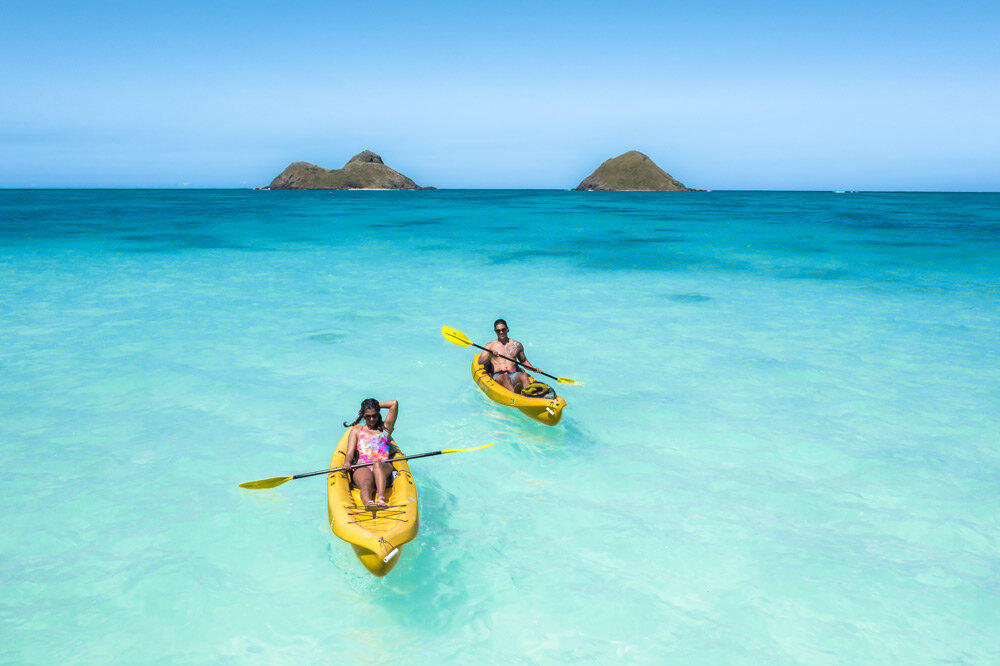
x=376 y=536
x=545 y=409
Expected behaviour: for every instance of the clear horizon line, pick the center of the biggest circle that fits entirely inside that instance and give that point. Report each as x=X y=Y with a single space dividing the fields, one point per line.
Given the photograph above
x=495 y=189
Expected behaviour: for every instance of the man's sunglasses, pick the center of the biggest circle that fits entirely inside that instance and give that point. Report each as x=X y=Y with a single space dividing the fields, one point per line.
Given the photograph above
x=501 y=330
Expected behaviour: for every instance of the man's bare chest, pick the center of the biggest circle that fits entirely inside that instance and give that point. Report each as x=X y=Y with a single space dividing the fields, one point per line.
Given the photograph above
x=510 y=349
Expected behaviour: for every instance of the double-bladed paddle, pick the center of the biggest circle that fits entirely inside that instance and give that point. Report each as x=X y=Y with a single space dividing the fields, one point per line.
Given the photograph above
x=457 y=337
x=276 y=481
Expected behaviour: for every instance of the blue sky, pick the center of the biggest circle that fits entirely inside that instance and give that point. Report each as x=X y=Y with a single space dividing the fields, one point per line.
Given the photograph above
x=723 y=95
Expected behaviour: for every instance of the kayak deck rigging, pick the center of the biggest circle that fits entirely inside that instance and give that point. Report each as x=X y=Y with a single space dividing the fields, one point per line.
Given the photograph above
x=363 y=514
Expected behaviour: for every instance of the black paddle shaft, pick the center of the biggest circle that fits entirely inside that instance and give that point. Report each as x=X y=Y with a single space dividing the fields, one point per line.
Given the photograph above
x=514 y=360
x=344 y=469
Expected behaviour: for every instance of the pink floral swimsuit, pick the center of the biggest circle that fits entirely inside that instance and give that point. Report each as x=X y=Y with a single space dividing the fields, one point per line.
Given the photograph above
x=372 y=447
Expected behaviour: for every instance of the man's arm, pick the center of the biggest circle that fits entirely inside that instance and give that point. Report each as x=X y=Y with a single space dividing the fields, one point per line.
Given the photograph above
x=523 y=360
x=485 y=355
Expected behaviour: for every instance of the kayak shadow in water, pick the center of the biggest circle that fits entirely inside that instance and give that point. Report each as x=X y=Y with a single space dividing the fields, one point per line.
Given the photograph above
x=431 y=569
x=536 y=440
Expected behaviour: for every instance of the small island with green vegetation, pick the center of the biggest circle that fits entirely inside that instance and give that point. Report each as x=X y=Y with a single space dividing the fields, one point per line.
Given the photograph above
x=364 y=171
x=631 y=171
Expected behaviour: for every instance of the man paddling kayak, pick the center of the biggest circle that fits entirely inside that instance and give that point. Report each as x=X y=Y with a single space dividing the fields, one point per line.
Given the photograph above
x=505 y=372
x=371 y=443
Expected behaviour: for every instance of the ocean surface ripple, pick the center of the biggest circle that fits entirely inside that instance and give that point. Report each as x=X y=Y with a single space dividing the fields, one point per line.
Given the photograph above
x=785 y=451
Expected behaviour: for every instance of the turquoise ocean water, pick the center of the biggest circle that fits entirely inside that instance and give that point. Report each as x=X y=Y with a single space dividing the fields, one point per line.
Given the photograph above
x=787 y=449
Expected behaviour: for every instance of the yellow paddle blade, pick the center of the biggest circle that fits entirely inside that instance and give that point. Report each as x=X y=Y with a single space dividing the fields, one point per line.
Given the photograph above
x=565 y=380
x=474 y=448
x=455 y=337
x=273 y=482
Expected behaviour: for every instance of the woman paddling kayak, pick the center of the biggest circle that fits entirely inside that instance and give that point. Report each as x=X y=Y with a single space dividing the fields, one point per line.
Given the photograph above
x=370 y=443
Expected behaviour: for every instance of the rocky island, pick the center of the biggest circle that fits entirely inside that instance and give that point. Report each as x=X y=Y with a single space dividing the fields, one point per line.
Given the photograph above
x=364 y=171
x=631 y=171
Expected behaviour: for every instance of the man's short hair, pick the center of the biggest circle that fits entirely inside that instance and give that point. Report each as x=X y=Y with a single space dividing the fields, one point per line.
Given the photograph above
x=499 y=321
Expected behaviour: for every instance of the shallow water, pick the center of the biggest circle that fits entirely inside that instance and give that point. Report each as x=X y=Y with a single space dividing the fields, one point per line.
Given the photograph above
x=786 y=448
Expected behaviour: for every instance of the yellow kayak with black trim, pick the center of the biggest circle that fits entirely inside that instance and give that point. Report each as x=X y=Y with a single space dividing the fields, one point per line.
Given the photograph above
x=377 y=537
x=545 y=409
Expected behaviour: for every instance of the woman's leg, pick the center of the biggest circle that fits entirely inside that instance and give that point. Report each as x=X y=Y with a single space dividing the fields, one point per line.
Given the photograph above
x=381 y=474
x=364 y=481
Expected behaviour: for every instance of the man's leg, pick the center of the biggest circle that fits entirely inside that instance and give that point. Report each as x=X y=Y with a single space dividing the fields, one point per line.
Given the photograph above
x=504 y=381
x=521 y=381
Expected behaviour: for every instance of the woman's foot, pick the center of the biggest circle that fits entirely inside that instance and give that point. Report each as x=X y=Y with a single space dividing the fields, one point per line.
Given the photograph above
x=380 y=501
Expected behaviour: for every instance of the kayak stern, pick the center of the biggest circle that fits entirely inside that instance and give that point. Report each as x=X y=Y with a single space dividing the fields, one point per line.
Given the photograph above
x=543 y=410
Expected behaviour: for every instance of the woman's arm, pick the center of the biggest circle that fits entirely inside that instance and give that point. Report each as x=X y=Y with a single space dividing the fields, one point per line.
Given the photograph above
x=390 y=418
x=352 y=445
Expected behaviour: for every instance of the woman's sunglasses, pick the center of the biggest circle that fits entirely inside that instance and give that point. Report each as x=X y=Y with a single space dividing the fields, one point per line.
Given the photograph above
x=371 y=416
